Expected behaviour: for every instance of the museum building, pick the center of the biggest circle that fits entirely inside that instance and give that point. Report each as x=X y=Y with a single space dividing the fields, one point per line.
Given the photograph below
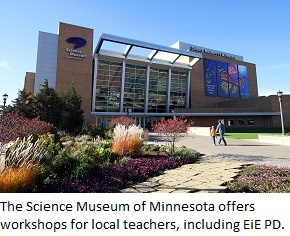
x=150 y=82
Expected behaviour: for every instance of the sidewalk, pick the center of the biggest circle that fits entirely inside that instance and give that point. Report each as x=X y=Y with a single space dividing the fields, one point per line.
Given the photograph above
x=219 y=165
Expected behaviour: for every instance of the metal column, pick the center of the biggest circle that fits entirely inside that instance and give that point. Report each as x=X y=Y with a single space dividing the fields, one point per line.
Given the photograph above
x=147 y=89
x=188 y=90
x=122 y=86
x=168 y=91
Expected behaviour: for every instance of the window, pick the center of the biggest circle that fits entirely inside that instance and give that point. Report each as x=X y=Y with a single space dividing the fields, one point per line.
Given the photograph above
x=251 y=122
x=231 y=122
x=241 y=122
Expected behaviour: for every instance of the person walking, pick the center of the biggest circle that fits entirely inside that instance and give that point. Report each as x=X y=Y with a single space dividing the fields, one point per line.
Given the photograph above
x=221 y=129
x=213 y=134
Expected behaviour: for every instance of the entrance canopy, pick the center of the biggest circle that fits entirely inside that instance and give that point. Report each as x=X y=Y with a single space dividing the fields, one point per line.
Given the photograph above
x=173 y=53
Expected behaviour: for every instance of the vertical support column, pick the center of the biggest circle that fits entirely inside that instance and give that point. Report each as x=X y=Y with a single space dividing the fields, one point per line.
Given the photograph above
x=95 y=83
x=168 y=91
x=147 y=89
x=122 y=86
x=188 y=90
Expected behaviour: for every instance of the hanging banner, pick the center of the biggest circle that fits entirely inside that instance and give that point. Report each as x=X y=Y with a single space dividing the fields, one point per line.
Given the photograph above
x=210 y=78
x=222 y=79
x=243 y=81
x=233 y=77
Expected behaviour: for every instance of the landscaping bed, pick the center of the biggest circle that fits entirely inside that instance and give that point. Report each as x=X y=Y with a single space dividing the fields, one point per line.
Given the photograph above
x=261 y=178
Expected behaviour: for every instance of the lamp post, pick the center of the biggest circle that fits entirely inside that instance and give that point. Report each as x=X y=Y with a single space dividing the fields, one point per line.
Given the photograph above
x=280 y=93
x=5 y=96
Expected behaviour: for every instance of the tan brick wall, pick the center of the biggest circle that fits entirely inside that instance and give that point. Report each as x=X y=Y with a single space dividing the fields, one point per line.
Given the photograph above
x=76 y=72
x=209 y=121
x=29 y=82
x=267 y=104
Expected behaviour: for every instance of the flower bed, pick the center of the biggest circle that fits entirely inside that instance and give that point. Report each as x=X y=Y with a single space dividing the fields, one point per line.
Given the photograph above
x=115 y=178
x=261 y=179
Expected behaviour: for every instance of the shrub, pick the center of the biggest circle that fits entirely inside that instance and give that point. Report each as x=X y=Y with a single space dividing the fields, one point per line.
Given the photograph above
x=127 y=140
x=172 y=130
x=109 y=134
x=18 y=180
x=189 y=156
x=67 y=138
x=72 y=165
x=126 y=121
x=94 y=130
x=81 y=161
x=14 y=125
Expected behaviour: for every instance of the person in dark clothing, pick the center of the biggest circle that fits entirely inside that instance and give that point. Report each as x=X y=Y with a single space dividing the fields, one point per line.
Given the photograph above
x=221 y=129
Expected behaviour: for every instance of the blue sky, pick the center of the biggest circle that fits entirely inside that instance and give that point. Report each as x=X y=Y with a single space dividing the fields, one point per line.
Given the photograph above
x=257 y=30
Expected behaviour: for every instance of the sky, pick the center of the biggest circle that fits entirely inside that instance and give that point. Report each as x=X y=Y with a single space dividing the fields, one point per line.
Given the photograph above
x=257 y=30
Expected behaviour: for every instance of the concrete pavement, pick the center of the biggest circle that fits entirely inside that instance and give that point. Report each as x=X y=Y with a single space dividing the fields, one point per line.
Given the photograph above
x=244 y=150
x=219 y=164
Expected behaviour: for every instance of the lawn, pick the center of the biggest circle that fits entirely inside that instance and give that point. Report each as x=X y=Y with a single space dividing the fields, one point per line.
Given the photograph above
x=242 y=135
x=249 y=133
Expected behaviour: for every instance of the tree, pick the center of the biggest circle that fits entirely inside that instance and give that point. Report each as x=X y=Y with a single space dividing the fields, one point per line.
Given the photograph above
x=63 y=109
x=49 y=105
x=25 y=104
x=172 y=130
x=72 y=113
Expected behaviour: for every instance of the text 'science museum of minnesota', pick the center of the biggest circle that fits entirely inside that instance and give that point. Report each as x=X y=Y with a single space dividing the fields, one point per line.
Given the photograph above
x=198 y=83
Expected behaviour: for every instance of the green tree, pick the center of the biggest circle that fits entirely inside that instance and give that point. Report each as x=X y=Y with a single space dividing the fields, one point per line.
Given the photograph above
x=49 y=105
x=25 y=104
x=72 y=113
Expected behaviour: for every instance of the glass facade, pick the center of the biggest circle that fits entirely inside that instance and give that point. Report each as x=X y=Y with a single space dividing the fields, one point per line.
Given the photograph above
x=178 y=90
x=134 y=90
x=109 y=88
x=158 y=80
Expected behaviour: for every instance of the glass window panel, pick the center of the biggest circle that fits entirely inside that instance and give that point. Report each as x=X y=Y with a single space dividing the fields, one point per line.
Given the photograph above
x=178 y=90
x=108 y=86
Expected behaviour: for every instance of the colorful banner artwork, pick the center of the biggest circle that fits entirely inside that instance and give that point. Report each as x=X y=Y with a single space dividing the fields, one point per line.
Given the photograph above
x=210 y=77
x=243 y=81
x=233 y=80
x=222 y=79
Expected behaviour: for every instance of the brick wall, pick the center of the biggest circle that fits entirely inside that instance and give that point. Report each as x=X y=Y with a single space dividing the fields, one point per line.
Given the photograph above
x=198 y=98
x=77 y=73
x=29 y=82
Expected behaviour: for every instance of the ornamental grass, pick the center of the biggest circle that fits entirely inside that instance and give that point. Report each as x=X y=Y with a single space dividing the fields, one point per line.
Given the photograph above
x=127 y=140
x=18 y=180
x=20 y=172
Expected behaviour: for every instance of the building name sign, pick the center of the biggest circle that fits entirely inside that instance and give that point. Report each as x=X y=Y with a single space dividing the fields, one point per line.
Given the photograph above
x=74 y=53
x=215 y=53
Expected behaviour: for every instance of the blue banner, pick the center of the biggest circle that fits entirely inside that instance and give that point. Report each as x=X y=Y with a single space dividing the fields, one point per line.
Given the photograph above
x=222 y=79
x=243 y=81
x=210 y=77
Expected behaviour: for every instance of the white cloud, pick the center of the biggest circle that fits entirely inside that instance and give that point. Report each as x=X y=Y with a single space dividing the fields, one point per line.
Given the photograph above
x=5 y=66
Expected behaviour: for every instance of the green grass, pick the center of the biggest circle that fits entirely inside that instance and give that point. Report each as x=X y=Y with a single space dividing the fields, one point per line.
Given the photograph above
x=250 y=133
x=242 y=135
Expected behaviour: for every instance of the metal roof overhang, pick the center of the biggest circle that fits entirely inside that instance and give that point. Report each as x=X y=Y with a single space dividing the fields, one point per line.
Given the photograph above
x=141 y=44
x=185 y=114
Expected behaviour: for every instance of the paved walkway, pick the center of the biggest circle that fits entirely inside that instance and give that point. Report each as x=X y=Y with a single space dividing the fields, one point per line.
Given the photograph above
x=219 y=165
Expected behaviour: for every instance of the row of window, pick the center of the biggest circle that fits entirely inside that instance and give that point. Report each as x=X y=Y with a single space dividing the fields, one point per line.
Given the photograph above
x=241 y=122
x=108 y=88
